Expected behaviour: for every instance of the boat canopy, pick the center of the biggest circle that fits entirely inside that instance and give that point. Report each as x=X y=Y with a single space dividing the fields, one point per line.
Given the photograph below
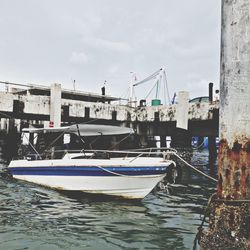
x=84 y=129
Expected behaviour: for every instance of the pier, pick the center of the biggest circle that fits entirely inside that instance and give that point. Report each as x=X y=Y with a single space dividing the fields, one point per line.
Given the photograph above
x=54 y=106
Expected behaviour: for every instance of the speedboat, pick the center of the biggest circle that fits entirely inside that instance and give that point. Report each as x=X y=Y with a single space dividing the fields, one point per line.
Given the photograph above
x=128 y=174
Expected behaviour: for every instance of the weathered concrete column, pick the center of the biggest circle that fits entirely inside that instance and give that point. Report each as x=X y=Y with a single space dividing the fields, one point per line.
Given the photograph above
x=182 y=110
x=212 y=154
x=163 y=143
x=181 y=137
x=234 y=154
x=229 y=221
x=3 y=124
x=55 y=104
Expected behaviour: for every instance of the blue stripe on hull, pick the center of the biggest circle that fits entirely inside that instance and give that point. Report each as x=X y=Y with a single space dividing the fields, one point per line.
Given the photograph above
x=86 y=171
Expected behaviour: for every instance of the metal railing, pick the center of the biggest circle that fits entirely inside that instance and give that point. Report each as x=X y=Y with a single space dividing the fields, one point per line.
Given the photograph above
x=98 y=153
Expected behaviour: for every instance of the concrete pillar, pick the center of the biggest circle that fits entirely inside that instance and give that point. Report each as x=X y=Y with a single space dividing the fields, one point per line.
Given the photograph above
x=163 y=141
x=11 y=125
x=143 y=141
x=234 y=154
x=4 y=124
x=18 y=125
x=181 y=138
x=182 y=110
x=55 y=104
x=229 y=220
x=46 y=124
x=12 y=140
x=212 y=154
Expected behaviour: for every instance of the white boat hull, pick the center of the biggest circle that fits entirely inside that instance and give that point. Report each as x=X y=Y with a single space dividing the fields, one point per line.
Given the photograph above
x=118 y=177
x=127 y=187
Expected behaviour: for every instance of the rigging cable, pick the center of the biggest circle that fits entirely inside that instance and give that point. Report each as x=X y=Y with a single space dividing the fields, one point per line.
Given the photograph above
x=151 y=90
x=166 y=84
x=148 y=78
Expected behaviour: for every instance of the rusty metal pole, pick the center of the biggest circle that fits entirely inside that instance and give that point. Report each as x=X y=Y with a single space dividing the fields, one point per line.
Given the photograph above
x=229 y=220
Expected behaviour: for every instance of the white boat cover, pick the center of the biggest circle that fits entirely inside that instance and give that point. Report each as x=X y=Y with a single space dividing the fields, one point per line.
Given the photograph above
x=84 y=129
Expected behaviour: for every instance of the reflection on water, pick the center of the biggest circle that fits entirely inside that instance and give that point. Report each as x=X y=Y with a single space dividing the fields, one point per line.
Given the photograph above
x=34 y=217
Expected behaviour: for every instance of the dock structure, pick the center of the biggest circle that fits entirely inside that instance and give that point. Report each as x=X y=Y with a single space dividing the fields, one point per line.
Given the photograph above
x=55 y=106
x=229 y=220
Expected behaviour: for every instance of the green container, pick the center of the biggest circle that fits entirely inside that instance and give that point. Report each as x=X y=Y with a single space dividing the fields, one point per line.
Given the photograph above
x=156 y=102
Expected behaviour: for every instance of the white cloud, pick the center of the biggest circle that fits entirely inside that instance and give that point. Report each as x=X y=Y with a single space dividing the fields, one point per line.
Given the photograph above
x=79 y=58
x=103 y=44
x=113 y=69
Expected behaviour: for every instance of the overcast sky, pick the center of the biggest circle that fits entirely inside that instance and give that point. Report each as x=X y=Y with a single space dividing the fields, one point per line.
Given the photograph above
x=91 y=41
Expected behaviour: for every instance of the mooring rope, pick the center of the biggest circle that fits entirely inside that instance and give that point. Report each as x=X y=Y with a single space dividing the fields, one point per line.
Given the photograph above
x=199 y=146
x=194 y=168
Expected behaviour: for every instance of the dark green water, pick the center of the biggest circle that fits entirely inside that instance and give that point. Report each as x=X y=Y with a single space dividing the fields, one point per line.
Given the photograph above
x=33 y=217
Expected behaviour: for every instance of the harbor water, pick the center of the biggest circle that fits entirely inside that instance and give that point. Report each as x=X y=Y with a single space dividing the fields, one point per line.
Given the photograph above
x=35 y=217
